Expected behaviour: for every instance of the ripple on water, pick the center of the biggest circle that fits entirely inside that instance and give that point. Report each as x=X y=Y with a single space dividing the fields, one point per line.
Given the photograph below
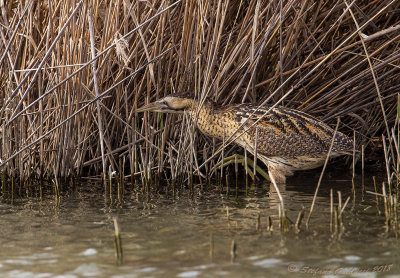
x=267 y=263
x=88 y=270
x=161 y=238
x=146 y=269
x=26 y=274
x=354 y=272
x=352 y=258
x=18 y=262
x=188 y=274
x=334 y=260
x=89 y=252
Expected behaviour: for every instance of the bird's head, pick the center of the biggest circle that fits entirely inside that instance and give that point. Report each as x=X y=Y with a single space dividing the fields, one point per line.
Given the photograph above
x=175 y=103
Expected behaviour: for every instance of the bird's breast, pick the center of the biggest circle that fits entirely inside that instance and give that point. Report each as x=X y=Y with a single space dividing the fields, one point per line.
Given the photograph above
x=214 y=124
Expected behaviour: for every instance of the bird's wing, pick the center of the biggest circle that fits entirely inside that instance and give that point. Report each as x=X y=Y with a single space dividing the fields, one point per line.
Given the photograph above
x=285 y=132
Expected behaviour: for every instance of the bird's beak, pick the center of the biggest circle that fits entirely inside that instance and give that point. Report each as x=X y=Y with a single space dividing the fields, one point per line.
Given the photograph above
x=157 y=107
x=153 y=106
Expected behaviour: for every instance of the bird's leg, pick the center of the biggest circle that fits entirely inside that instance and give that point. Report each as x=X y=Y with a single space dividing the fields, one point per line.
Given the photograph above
x=278 y=181
x=278 y=175
x=237 y=158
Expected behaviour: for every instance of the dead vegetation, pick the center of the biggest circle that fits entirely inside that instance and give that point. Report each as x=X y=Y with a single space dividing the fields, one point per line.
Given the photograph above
x=72 y=74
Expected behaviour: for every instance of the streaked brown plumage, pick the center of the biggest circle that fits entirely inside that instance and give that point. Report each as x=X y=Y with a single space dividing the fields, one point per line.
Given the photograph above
x=287 y=139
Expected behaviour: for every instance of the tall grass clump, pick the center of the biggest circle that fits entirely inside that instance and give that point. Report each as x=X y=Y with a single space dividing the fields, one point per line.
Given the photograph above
x=73 y=72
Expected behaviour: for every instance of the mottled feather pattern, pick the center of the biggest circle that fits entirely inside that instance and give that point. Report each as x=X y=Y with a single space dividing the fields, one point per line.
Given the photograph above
x=288 y=140
x=289 y=133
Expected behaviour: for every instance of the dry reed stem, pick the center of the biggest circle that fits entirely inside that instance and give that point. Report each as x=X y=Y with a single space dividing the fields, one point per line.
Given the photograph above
x=316 y=56
x=96 y=88
x=322 y=173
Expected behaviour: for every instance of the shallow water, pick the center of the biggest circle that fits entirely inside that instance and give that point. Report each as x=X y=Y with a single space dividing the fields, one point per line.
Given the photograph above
x=171 y=236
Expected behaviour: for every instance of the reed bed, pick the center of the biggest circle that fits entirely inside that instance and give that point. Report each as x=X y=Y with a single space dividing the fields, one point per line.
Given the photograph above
x=73 y=72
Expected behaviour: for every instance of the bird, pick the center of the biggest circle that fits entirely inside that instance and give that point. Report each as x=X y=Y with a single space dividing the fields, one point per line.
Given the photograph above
x=284 y=139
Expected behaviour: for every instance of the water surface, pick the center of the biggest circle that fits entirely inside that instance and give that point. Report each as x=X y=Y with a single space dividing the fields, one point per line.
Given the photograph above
x=191 y=233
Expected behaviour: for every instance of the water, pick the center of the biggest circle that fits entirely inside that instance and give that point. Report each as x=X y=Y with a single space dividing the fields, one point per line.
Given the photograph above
x=167 y=236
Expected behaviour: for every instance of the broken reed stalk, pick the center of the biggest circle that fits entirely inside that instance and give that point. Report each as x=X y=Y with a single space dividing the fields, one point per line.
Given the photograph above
x=300 y=217
x=110 y=177
x=283 y=220
x=336 y=213
x=391 y=209
x=385 y=202
x=233 y=250
x=211 y=251
x=269 y=224
x=56 y=189
x=118 y=242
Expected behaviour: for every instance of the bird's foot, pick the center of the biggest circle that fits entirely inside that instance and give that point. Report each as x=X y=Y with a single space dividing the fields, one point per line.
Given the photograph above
x=240 y=159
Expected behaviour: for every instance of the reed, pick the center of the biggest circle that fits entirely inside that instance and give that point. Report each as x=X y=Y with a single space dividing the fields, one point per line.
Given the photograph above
x=269 y=225
x=72 y=74
x=300 y=217
x=211 y=250
x=390 y=188
x=233 y=251
x=322 y=173
x=118 y=243
x=56 y=189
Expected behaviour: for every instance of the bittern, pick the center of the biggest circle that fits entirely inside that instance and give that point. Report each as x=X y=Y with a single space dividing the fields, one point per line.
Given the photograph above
x=284 y=139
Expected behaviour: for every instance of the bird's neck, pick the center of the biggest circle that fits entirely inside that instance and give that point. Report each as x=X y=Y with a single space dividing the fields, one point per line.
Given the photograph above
x=201 y=107
x=207 y=118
